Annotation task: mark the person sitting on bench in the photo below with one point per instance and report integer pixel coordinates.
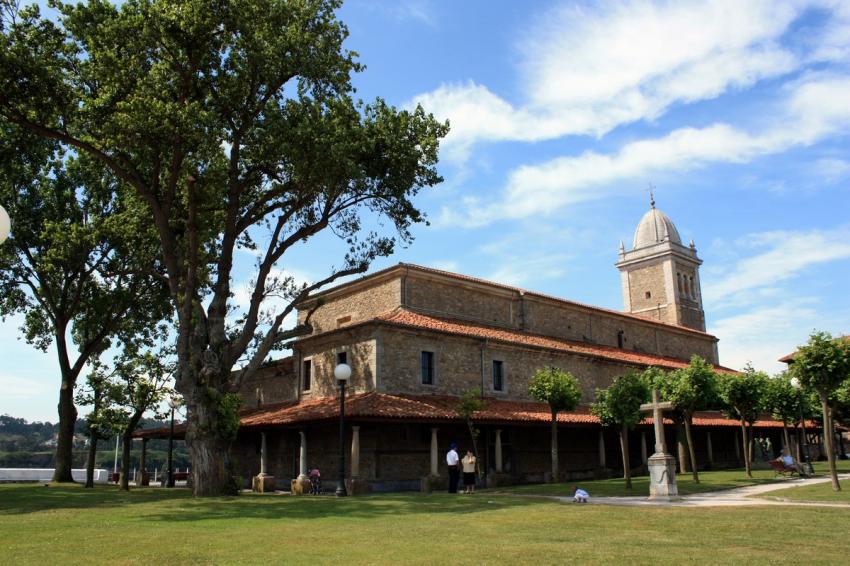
(789, 462)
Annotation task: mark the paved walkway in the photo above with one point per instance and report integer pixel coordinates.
(738, 497)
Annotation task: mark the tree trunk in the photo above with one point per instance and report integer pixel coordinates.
(750, 444)
(624, 448)
(787, 438)
(691, 452)
(65, 442)
(682, 450)
(827, 438)
(554, 446)
(126, 448)
(212, 474)
(91, 461)
(744, 450)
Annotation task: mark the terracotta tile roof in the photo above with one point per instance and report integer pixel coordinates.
(480, 281)
(374, 405)
(409, 319)
(429, 408)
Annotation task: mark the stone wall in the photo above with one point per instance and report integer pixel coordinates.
(549, 317)
(275, 382)
(344, 309)
(647, 279)
(458, 366)
(360, 349)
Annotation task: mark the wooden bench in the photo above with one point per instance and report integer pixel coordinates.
(780, 469)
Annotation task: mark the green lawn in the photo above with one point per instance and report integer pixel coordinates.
(709, 481)
(71, 525)
(817, 492)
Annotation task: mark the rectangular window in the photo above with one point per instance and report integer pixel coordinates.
(307, 374)
(342, 358)
(498, 376)
(427, 365)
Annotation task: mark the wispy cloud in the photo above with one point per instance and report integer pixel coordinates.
(781, 255)
(813, 109)
(589, 69)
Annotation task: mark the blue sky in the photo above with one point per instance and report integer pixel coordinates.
(563, 113)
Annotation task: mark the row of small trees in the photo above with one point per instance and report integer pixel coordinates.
(821, 366)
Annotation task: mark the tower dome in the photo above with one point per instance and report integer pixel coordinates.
(655, 227)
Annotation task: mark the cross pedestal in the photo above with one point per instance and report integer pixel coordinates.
(662, 466)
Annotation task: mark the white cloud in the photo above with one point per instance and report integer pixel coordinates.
(787, 255)
(831, 170)
(20, 388)
(588, 69)
(815, 108)
(765, 333)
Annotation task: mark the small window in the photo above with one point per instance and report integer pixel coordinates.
(648, 295)
(307, 374)
(498, 375)
(621, 339)
(342, 358)
(427, 367)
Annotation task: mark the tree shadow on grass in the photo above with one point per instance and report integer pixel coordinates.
(31, 498)
(178, 506)
(323, 507)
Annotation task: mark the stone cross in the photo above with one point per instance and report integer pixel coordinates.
(658, 419)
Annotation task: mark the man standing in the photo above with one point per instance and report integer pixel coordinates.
(452, 462)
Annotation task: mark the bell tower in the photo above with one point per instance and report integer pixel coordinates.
(659, 275)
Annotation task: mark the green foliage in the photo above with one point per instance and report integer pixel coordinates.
(823, 363)
(227, 416)
(691, 388)
(558, 388)
(781, 399)
(235, 126)
(744, 395)
(619, 404)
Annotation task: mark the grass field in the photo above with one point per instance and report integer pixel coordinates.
(817, 492)
(709, 481)
(71, 525)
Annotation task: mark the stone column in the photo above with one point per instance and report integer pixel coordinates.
(643, 456)
(302, 457)
(709, 447)
(301, 484)
(498, 451)
(263, 482)
(355, 452)
(602, 462)
(262, 453)
(434, 451)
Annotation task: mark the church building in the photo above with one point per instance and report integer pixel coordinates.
(418, 338)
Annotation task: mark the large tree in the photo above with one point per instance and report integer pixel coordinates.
(72, 263)
(689, 389)
(561, 391)
(234, 121)
(743, 396)
(822, 365)
(619, 406)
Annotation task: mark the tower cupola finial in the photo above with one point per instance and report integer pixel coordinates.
(651, 195)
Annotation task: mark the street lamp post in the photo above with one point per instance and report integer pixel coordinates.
(342, 372)
(173, 402)
(807, 463)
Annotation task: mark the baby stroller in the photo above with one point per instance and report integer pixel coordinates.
(315, 482)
